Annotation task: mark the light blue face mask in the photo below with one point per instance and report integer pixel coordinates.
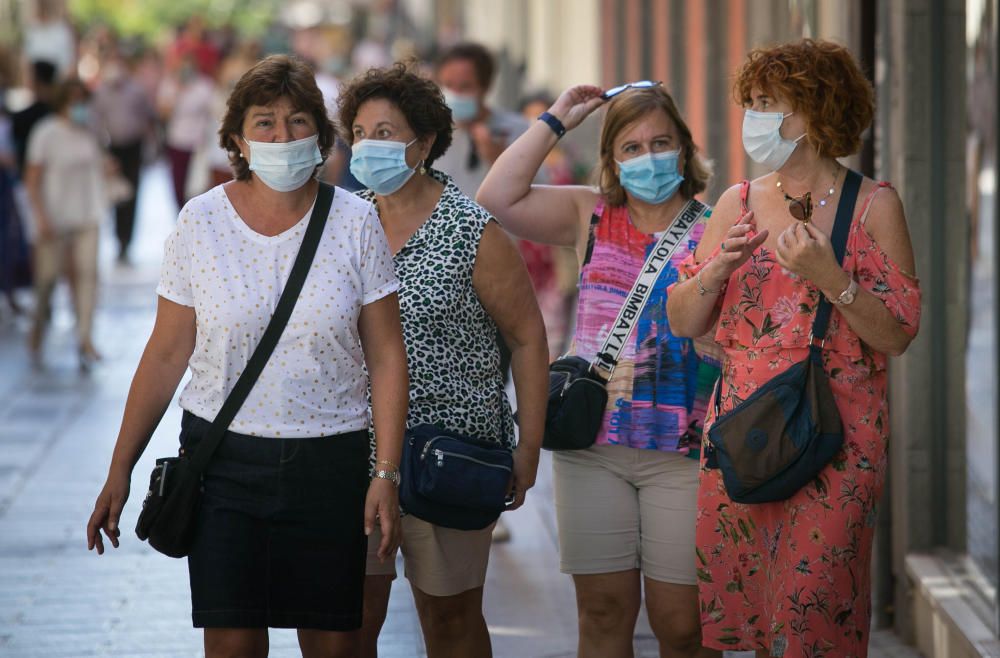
(652, 177)
(464, 107)
(380, 165)
(285, 166)
(79, 113)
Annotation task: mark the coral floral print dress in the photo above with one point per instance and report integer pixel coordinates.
(792, 577)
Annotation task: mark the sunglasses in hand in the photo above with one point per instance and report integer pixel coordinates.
(641, 84)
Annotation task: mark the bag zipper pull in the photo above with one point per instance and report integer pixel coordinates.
(163, 478)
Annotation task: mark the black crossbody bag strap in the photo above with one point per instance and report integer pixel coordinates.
(838, 239)
(595, 219)
(282, 311)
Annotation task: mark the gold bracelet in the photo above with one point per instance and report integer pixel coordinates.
(388, 463)
(702, 290)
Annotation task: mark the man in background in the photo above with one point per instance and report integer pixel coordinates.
(125, 115)
(466, 72)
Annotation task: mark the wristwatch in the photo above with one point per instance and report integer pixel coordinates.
(846, 298)
(391, 476)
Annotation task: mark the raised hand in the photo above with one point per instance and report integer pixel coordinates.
(575, 104)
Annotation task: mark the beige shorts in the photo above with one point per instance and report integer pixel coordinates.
(621, 508)
(437, 561)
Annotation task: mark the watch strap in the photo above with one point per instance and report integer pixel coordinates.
(391, 476)
(848, 295)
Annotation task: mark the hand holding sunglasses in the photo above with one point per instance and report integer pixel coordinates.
(572, 107)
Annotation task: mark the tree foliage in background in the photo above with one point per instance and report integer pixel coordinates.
(153, 20)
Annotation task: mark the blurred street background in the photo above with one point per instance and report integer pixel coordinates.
(165, 67)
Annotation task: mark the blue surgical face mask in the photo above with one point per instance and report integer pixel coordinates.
(79, 113)
(380, 165)
(652, 177)
(762, 139)
(464, 107)
(285, 166)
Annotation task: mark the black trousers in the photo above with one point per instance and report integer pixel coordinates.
(129, 157)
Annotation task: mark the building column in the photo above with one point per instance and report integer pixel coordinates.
(921, 151)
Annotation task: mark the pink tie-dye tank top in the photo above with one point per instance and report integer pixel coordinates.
(660, 390)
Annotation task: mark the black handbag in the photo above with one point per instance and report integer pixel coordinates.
(778, 440)
(578, 393)
(577, 399)
(453, 480)
(170, 510)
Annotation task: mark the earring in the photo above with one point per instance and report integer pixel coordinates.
(422, 169)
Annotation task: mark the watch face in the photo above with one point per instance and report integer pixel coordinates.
(847, 297)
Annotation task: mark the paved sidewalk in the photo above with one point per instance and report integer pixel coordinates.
(57, 429)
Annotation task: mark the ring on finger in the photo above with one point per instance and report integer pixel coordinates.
(723, 245)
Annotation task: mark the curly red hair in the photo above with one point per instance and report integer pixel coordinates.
(821, 80)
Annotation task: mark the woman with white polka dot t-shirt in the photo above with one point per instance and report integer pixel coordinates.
(287, 502)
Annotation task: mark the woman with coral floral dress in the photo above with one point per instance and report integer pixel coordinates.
(791, 578)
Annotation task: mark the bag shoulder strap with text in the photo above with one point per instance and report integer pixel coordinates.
(658, 258)
(282, 311)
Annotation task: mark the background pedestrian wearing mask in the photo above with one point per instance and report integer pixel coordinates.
(125, 116)
(64, 180)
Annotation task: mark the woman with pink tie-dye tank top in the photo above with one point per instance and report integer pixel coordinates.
(625, 506)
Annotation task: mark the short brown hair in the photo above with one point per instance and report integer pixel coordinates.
(821, 80)
(419, 99)
(481, 58)
(267, 81)
(630, 107)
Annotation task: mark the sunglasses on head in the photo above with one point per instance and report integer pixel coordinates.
(801, 208)
(642, 84)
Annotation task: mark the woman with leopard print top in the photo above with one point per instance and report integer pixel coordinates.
(461, 280)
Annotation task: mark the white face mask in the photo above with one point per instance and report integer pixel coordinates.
(762, 139)
(285, 166)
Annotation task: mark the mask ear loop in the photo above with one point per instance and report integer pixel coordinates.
(420, 168)
(797, 139)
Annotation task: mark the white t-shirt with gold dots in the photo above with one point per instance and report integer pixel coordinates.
(314, 383)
